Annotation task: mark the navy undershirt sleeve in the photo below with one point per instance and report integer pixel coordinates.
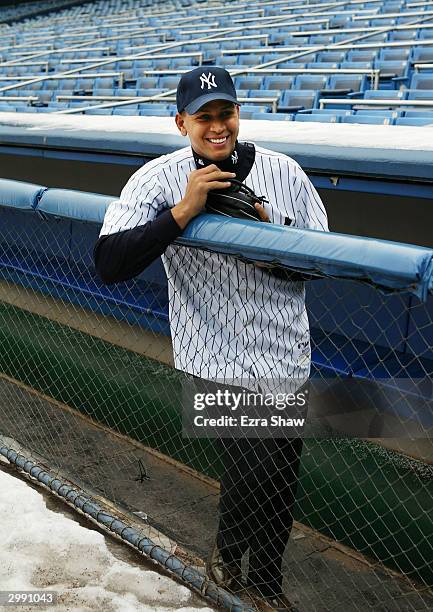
(123, 255)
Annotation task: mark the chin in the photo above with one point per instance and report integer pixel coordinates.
(221, 154)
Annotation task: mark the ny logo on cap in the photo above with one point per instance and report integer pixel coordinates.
(209, 80)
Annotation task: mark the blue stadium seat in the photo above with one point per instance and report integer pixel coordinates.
(320, 118)
(272, 116)
(357, 65)
(68, 84)
(276, 38)
(50, 84)
(154, 112)
(309, 81)
(403, 18)
(377, 112)
(420, 94)
(159, 64)
(263, 93)
(103, 91)
(46, 96)
(369, 119)
(328, 111)
(423, 54)
(270, 57)
(297, 100)
(125, 64)
(153, 106)
(421, 81)
(294, 64)
(126, 110)
(249, 109)
(151, 91)
(118, 91)
(9, 108)
(104, 82)
(58, 105)
(323, 39)
(253, 82)
(181, 62)
(146, 64)
(420, 121)
(402, 35)
(27, 109)
(278, 82)
(364, 55)
(347, 83)
(379, 37)
(250, 59)
(331, 56)
(227, 60)
(322, 65)
(84, 84)
(339, 21)
(422, 113)
(385, 94)
(147, 82)
(424, 34)
(169, 82)
(381, 23)
(391, 69)
(394, 55)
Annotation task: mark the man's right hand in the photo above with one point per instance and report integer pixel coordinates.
(200, 182)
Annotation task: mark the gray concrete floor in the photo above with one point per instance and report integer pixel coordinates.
(181, 508)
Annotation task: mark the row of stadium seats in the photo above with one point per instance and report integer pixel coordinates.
(289, 100)
(369, 116)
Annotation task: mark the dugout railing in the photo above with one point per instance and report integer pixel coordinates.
(105, 352)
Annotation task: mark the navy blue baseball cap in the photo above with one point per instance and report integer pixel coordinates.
(202, 85)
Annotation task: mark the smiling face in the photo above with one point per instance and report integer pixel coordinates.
(212, 130)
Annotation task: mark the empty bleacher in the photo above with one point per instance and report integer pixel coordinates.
(289, 62)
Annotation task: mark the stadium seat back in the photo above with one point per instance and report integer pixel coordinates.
(272, 116)
(278, 82)
(421, 81)
(421, 121)
(254, 82)
(168, 82)
(310, 81)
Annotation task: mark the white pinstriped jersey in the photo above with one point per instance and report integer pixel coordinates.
(229, 319)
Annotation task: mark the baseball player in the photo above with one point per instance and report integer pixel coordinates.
(229, 320)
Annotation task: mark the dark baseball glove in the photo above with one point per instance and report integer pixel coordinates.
(238, 201)
(235, 201)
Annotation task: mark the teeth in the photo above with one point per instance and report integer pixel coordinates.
(218, 140)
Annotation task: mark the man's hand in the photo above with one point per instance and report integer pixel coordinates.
(263, 214)
(200, 182)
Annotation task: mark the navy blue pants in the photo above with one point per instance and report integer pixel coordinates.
(258, 490)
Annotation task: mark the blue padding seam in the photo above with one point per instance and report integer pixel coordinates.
(74, 205)
(20, 195)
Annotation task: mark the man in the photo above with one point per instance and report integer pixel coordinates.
(229, 320)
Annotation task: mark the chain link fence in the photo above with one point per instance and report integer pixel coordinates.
(88, 388)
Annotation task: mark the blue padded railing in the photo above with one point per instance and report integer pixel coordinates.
(47, 241)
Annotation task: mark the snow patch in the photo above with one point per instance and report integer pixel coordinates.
(42, 549)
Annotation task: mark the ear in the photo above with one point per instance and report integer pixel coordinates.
(181, 124)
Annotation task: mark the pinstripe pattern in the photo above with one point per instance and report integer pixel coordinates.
(229, 319)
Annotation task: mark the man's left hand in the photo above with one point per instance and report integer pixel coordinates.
(263, 214)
